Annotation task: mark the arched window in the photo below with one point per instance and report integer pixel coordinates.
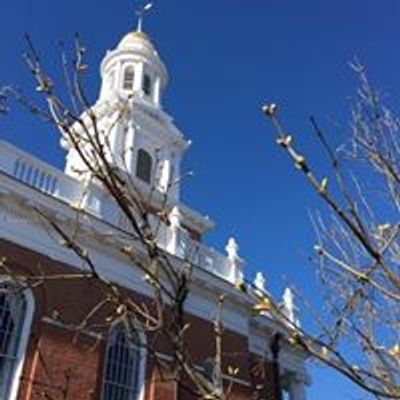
(129, 77)
(144, 166)
(15, 320)
(147, 85)
(124, 367)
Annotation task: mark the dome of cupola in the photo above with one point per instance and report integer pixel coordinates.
(137, 39)
(134, 68)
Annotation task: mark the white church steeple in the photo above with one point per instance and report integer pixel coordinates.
(144, 142)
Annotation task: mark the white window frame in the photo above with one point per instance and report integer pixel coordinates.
(23, 342)
(146, 153)
(129, 69)
(142, 361)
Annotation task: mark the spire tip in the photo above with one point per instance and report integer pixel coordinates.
(142, 9)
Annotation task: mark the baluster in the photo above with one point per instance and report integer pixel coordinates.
(47, 184)
(17, 165)
(35, 177)
(53, 185)
(28, 175)
(22, 171)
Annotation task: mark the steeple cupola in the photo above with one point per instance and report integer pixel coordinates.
(142, 140)
(134, 68)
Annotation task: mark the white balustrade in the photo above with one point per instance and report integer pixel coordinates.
(33, 172)
(174, 239)
(177, 241)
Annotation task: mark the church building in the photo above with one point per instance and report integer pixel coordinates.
(43, 353)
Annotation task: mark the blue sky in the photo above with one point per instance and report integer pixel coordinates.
(225, 58)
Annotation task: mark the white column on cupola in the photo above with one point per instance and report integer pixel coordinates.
(157, 91)
(139, 76)
(120, 75)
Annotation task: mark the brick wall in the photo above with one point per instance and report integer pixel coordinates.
(64, 365)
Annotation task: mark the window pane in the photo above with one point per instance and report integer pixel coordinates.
(129, 78)
(12, 315)
(144, 166)
(147, 85)
(121, 377)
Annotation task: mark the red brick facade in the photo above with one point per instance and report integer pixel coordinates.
(61, 364)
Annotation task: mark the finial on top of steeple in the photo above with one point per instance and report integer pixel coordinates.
(143, 7)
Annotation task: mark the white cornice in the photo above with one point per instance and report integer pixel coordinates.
(18, 200)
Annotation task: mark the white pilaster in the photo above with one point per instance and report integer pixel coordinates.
(138, 84)
(157, 91)
(165, 175)
(175, 218)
